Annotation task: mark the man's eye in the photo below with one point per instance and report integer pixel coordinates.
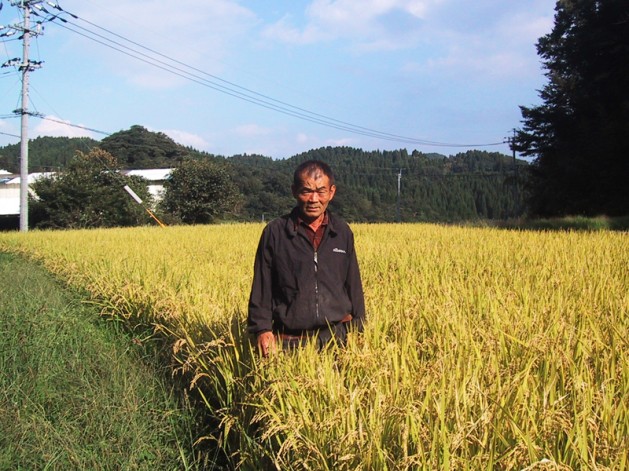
(320, 192)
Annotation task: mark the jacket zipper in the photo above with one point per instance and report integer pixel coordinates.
(316, 266)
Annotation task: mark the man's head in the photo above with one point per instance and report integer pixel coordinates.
(313, 188)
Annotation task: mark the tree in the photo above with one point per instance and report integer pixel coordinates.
(45, 153)
(199, 192)
(366, 180)
(89, 193)
(139, 148)
(579, 136)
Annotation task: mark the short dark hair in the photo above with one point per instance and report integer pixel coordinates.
(309, 167)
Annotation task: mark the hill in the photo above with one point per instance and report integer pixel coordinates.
(372, 185)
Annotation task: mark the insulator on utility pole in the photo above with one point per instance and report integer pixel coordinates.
(25, 65)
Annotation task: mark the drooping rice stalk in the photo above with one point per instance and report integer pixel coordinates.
(484, 348)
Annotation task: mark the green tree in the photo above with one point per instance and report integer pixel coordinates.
(89, 193)
(199, 192)
(45, 153)
(138, 148)
(580, 134)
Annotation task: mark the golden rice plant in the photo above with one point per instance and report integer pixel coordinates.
(484, 348)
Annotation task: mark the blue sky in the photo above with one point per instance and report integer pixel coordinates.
(437, 71)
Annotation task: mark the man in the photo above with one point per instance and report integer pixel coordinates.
(306, 279)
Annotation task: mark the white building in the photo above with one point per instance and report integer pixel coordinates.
(10, 187)
(156, 178)
(10, 191)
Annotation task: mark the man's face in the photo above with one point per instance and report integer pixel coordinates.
(313, 194)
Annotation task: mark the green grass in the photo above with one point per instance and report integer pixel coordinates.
(75, 392)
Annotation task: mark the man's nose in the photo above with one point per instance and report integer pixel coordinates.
(314, 196)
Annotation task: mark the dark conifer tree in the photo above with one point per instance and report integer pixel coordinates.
(580, 134)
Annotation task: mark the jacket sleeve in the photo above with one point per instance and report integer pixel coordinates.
(260, 311)
(354, 287)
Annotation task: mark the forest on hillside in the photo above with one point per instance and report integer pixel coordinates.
(372, 186)
(392, 185)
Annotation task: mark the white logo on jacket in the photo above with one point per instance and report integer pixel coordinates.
(337, 250)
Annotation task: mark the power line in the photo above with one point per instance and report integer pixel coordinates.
(9, 134)
(243, 96)
(232, 89)
(266, 97)
(48, 118)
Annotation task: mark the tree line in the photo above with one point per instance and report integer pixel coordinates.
(372, 186)
(393, 185)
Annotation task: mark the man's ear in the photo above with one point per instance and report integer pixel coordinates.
(332, 192)
(293, 190)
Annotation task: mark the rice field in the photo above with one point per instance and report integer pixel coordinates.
(484, 348)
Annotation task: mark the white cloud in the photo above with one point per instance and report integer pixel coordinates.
(304, 140)
(501, 48)
(454, 35)
(284, 31)
(200, 35)
(56, 127)
(525, 27)
(367, 24)
(361, 14)
(252, 130)
(187, 139)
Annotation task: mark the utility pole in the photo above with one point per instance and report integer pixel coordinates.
(25, 65)
(399, 184)
(515, 168)
(24, 68)
(511, 141)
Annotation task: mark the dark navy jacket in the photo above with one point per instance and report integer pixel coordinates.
(296, 288)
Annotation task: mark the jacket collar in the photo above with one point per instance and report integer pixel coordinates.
(293, 217)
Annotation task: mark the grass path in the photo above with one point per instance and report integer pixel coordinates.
(74, 393)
